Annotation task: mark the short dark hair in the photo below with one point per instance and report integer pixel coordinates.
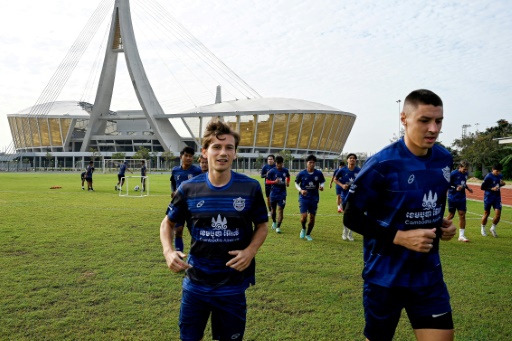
(341, 163)
(272, 156)
(311, 157)
(464, 164)
(498, 167)
(91, 162)
(215, 128)
(279, 159)
(423, 96)
(351, 154)
(188, 150)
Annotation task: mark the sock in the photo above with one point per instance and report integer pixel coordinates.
(303, 225)
(279, 224)
(461, 233)
(178, 244)
(493, 227)
(310, 228)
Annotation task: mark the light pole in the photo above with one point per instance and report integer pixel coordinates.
(399, 121)
(465, 129)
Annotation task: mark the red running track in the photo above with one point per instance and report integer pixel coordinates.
(478, 194)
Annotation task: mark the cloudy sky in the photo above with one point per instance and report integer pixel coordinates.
(357, 56)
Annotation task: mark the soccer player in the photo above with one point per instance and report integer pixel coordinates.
(229, 224)
(121, 175)
(180, 174)
(338, 187)
(397, 203)
(143, 175)
(82, 177)
(279, 179)
(308, 182)
(264, 170)
(457, 197)
(492, 198)
(203, 163)
(344, 179)
(88, 175)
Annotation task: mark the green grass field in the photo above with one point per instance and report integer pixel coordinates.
(78, 265)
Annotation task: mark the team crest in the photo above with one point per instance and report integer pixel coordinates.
(220, 223)
(239, 204)
(411, 179)
(446, 173)
(430, 201)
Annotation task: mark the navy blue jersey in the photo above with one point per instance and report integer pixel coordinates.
(347, 176)
(122, 169)
(266, 169)
(311, 183)
(221, 219)
(180, 175)
(335, 176)
(491, 181)
(401, 191)
(278, 189)
(143, 170)
(88, 172)
(457, 179)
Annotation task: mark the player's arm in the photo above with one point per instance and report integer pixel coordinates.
(243, 258)
(173, 258)
(288, 180)
(263, 172)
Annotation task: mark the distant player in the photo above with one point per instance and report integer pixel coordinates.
(492, 198)
(264, 170)
(308, 182)
(344, 178)
(338, 187)
(123, 168)
(143, 175)
(457, 197)
(180, 174)
(203, 163)
(88, 175)
(279, 179)
(82, 177)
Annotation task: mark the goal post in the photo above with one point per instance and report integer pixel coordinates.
(112, 165)
(133, 186)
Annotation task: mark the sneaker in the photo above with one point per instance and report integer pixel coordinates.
(493, 232)
(274, 225)
(308, 238)
(83, 189)
(302, 233)
(344, 235)
(278, 230)
(349, 235)
(483, 232)
(269, 214)
(463, 239)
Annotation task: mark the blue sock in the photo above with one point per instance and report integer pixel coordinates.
(178, 244)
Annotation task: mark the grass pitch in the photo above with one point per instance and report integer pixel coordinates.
(78, 265)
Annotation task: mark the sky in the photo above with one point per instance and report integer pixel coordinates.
(357, 56)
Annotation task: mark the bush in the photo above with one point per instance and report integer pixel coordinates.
(478, 174)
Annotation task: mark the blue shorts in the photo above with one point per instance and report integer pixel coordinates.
(457, 205)
(281, 202)
(338, 190)
(496, 204)
(308, 206)
(268, 189)
(383, 307)
(228, 316)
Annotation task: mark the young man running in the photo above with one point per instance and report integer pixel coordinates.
(279, 179)
(492, 198)
(344, 179)
(228, 225)
(457, 197)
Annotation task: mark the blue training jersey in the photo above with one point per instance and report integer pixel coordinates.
(278, 191)
(401, 191)
(457, 179)
(143, 170)
(491, 181)
(122, 169)
(310, 182)
(180, 175)
(88, 172)
(347, 176)
(221, 219)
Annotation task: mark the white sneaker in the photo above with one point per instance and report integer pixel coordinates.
(463, 239)
(278, 230)
(493, 232)
(349, 235)
(344, 235)
(483, 232)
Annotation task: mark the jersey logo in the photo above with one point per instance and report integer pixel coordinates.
(201, 203)
(177, 177)
(446, 173)
(219, 224)
(190, 176)
(316, 178)
(411, 179)
(430, 201)
(239, 204)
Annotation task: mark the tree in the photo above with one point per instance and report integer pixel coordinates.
(118, 156)
(94, 153)
(168, 157)
(288, 157)
(142, 153)
(49, 158)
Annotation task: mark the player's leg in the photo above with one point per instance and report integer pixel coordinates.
(268, 189)
(312, 214)
(178, 238)
(280, 209)
(303, 217)
(382, 309)
(194, 313)
(496, 219)
(461, 209)
(487, 212)
(273, 206)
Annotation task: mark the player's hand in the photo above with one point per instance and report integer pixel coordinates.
(321, 188)
(448, 230)
(175, 261)
(303, 192)
(459, 188)
(470, 190)
(330, 185)
(419, 240)
(241, 260)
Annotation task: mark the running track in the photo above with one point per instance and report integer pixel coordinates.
(478, 194)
